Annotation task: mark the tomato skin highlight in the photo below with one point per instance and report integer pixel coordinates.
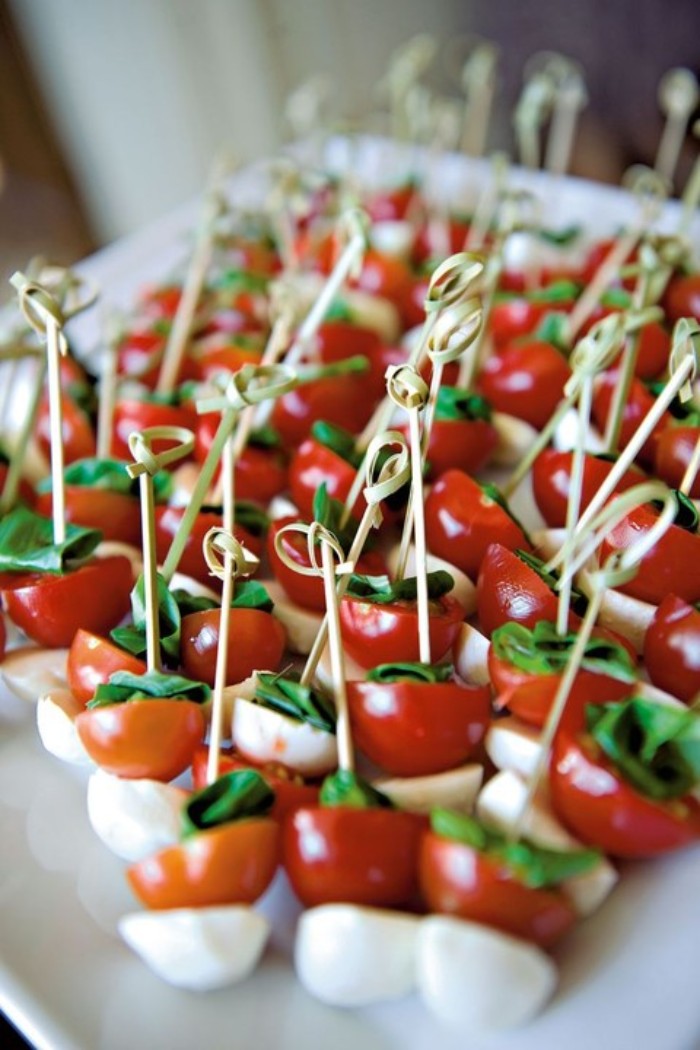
(314, 465)
(590, 797)
(551, 480)
(682, 297)
(77, 431)
(116, 514)
(672, 648)
(374, 634)
(637, 405)
(341, 400)
(457, 879)
(152, 738)
(461, 521)
(361, 856)
(672, 566)
(91, 662)
(230, 864)
(255, 639)
(414, 728)
(525, 380)
(507, 589)
(131, 415)
(674, 449)
(50, 609)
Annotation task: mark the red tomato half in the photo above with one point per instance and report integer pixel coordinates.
(79, 440)
(50, 609)
(682, 298)
(460, 444)
(674, 448)
(551, 481)
(638, 404)
(91, 662)
(413, 729)
(291, 791)
(116, 514)
(131, 415)
(508, 589)
(342, 400)
(192, 562)
(230, 864)
(255, 640)
(600, 808)
(362, 856)
(314, 465)
(388, 634)
(459, 880)
(672, 648)
(525, 380)
(143, 738)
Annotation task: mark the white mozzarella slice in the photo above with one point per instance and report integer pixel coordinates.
(393, 237)
(263, 735)
(55, 718)
(566, 435)
(134, 818)
(455, 789)
(512, 744)
(30, 672)
(652, 692)
(477, 979)
(619, 612)
(181, 582)
(464, 590)
(300, 624)
(324, 674)
(470, 652)
(184, 479)
(199, 949)
(515, 438)
(282, 507)
(500, 804)
(108, 548)
(348, 955)
(548, 541)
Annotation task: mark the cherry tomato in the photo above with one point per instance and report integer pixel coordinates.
(291, 791)
(229, 864)
(393, 205)
(384, 275)
(460, 444)
(461, 520)
(674, 449)
(379, 634)
(338, 340)
(551, 479)
(672, 566)
(672, 648)
(313, 465)
(530, 696)
(459, 880)
(413, 303)
(341, 400)
(224, 355)
(91, 662)
(525, 380)
(457, 233)
(259, 473)
(362, 856)
(255, 640)
(682, 298)
(638, 404)
(508, 589)
(50, 609)
(192, 562)
(596, 256)
(413, 729)
(600, 808)
(116, 514)
(139, 355)
(516, 317)
(653, 346)
(160, 301)
(131, 415)
(25, 492)
(151, 738)
(79, 441)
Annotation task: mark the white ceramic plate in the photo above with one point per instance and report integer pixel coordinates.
(628, 975)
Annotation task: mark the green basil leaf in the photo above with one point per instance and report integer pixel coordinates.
(190, 603)
(83, 395)
(656, 748)
(286, 694)
(265, 437)
(339, 310)
(252, 517)
(562, 237)
(238, 795)
(579, 602)
(686, 513)
(558, 292)
(124, 686)
(109, 475)
(26, 544)
(234, 280)
(543, 651)
(381, 591)
(337, 440)
(453, 403)
(249, 594)
(329, 512)
(553, 329)
(345, 788)
(616, 298)
(535, 866)
(411, 672)
(133, 637)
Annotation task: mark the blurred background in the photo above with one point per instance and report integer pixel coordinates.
(111, 110)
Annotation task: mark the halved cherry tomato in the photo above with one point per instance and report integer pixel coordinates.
(338, 340)
(50, 609)
(229, 864)
(363, 856)
(342, 400)
(384, 275)
(140, 353)
(508, 589)
(682, 298)
(291, 791)
(653, 347)
(672, 566)
(259, 473)
(459, 880)
(600, 808)
(116, 514)
(515, 317)
(25, 492)
(143, 738)
(91, 662)
(79, 440)
(160, 301)
(423, 247)
(379, 634)
(413, 729)
(461, 520)
(392, 205)
(525, 380)
(460, 444)
(672, 648)
(131, 415)
(551, 480)
(192, 562)
(314, 465)
(216, 354)
(637, 405)
(255, 639)
(674, 449)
